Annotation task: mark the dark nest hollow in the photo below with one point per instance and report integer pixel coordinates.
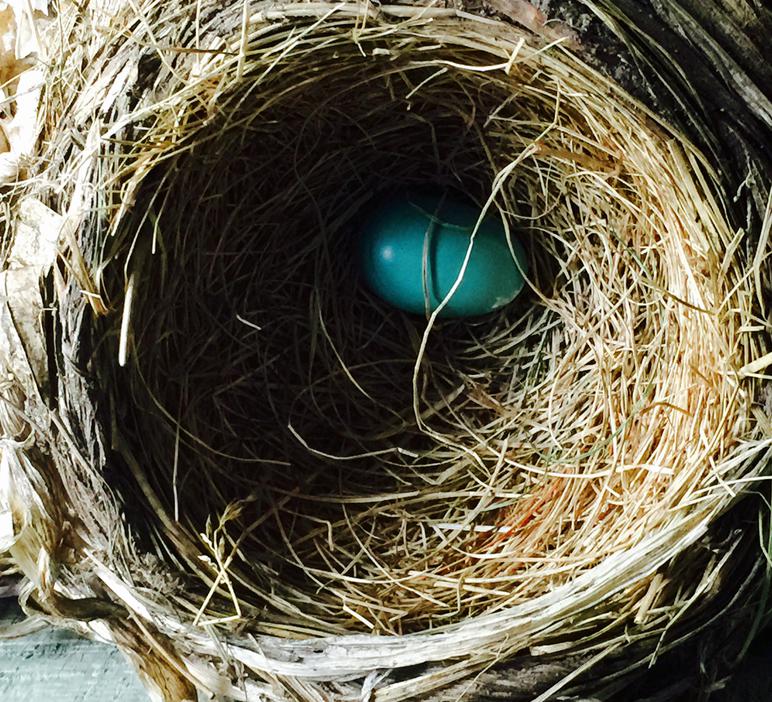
(276, 482)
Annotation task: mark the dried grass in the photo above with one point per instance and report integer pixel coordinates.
(296, 459)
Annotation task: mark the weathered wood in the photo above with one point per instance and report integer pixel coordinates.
(58, 666)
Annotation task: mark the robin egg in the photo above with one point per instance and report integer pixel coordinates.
(413, 247)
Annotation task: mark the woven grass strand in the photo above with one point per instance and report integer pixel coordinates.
(296, 459)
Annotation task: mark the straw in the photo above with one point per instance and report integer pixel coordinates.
(315, 486)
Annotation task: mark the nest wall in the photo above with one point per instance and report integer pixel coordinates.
(241, 457)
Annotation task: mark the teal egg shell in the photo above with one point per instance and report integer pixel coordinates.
(403, 229)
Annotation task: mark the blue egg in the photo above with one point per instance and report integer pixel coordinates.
(412, 248)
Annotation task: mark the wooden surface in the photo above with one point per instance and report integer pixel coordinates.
(58, 666)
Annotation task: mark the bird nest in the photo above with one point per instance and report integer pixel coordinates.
(260, 464)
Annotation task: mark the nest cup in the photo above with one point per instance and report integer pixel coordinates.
(294, 460)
